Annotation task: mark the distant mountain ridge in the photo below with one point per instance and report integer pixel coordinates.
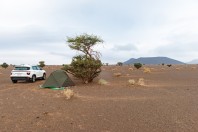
(153, 60)
(195, 61)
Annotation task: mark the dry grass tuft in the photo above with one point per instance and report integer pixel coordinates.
(193, 68)
(131, 81)
(147, 70)
(130, 69)
(141, 82)
(117, 74)
(114, 69)
(163, 68)
(103, 82)
(178, 68)
(68, 93)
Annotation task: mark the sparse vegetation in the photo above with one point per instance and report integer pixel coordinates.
(4, 65)
(42, 64)
(87, 66)
(103, 82)
(178, 68)
(169, 65)
(193, 68)
(117, 74)
(141, 82)
(137, 65)
(119, 63)
(114, 69)
(147, 70)
(131, 81)
(131, 69)
(68, 93)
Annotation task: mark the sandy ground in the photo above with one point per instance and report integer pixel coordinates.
(168, 102)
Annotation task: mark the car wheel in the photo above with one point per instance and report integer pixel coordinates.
(33, 78)
(44, 76)
(14, 81)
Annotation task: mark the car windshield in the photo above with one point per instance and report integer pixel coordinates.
(22, 68)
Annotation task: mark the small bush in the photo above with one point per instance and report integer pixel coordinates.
(131, 69)
(169, 65)
(147, 70)
(68, 93)
(193, 68)
(137, 65)
(131, 81)
(84, 68)
(119, 63)
(114, 69)
(163, 64)
(4, 65)
(103, 82)
(140, 82)
(117, 74)
(178, 68)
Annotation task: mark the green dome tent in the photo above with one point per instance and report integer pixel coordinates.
(58, 79)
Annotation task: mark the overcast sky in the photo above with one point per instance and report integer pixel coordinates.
(35, 30)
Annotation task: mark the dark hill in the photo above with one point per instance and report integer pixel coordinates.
(153, 60)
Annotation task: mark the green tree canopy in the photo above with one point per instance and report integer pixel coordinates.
(86, 66)
(85, 43)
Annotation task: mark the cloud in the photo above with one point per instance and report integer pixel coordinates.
(127, 47)
(129, 28)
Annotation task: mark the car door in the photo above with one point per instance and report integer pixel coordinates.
(34, 68)
(39, 71)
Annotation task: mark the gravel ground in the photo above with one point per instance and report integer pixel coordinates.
(168, 102)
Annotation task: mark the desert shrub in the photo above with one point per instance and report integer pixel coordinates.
(42, 63)
(131, 69)
(131, 81)
(140, 82)
(4, 65)
(103, 82)
(163, 64)
(169, 65)
(137, 65)
(119, 63)
(68, 93)
(84, 68)
(178, 68)
(193, 68)
(117, 74)
(114, 69)
(147, 70)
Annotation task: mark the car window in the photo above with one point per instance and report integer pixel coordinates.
(39, 68)
(22, 68)
(34, 68)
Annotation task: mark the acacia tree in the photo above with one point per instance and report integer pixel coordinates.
(4, 65)
(86, 66)
(42, 64)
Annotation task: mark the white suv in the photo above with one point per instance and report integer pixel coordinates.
(28, 73)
